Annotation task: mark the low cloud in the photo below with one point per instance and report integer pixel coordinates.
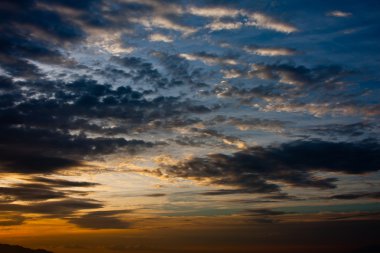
(102, 220)
(9, 219)
(255, 169)
(54, 209)
(356, 195)
(28, 192)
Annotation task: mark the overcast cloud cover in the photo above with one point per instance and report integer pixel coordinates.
(116, 112)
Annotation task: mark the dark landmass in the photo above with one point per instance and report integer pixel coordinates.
(5, 248)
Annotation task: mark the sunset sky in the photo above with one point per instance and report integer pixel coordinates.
(190, 126)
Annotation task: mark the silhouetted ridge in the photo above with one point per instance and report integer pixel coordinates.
(5, 248)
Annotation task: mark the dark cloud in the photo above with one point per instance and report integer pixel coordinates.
(265, 92)
(181, 72)
(31, 32)
(102, 220)
(265, 216)
(30, 192)
(44, 125)
(308, 78)
(237, 191)
(174, 71)
(274, 197)
(356, 195)
(45, 196)
(57, 208)
(62, 182)
(351, 130)
(39, 189)
(80, 5)
(141, 69)
(299, 75)
(267, 212)
(11, 219)
(19, 162)
(155, 195)
(290, 88)
(253, 170)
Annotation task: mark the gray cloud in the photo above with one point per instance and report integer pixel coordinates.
(356, 195)
(11, 220)
(253, 170)
(62, 182)
(56, 208)
(31, 192)
(244, 123)
(102, 220)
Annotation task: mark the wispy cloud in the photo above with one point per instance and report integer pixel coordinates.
(210, 59)
(270, 51)
(263, 21)
(339, 14)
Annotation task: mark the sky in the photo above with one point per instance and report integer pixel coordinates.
(190, 126)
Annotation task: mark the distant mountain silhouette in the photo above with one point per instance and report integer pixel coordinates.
(5, 248)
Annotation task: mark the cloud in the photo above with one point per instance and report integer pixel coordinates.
(155, 195)
(265, 216)
(298, 75)
(264, 212)
(255, 169)
(263, 21)
(270, 51)
(7, 219)
(248, 123)
(49, 198)
(222, 25)
(356, 195)
(339, 14)
(28, 192)
(16, 161)
(181, 72)
(209, 59)
(160, 37)
(62, 182)
(214, 12)
(41, 188)
(102, 220)
(168, 23)
(54, 209)
(16, 158)
(207, 133)
(30, 32)
(330, 76)
(174, 71)
(353, 130)
(317, 92)
(256, 19)
(65, 122)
